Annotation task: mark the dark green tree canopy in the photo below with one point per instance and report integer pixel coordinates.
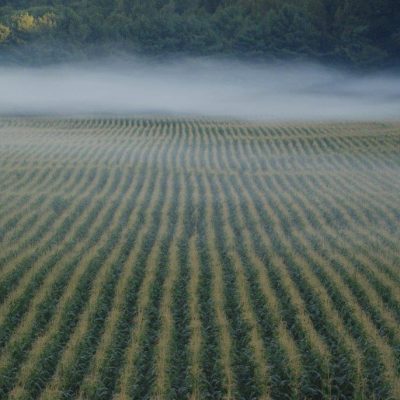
(357, 32)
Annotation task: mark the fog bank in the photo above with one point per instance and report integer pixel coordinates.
(200, 87)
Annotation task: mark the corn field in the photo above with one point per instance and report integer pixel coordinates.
(161, 258)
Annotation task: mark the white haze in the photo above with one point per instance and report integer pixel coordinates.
(201, 87)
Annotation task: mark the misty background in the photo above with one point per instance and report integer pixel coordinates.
(238, 59)
(200, 87)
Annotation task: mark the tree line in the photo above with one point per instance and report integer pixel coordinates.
(356, 32)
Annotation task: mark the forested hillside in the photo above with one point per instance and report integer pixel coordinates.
(357, 32)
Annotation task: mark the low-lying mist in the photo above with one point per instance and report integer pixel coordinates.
(203, 87)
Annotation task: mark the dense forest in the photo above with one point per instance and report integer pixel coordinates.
(363, 33)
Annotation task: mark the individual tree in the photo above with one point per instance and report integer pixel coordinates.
(5, 33)
(47, 21)
(24, 22)
(290, 30)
